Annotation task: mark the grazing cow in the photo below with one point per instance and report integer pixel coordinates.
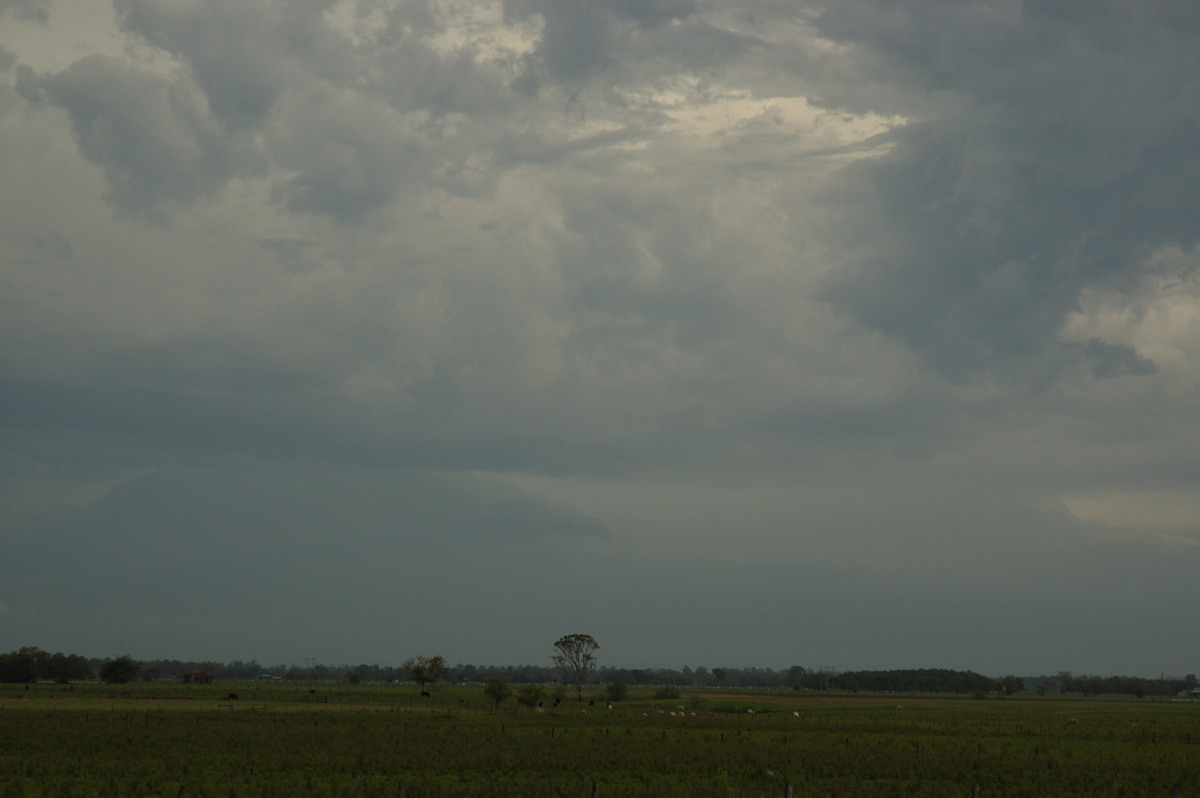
(230, 697)
(425, 694)
(555, 704)
(749, 711)
(796, 715)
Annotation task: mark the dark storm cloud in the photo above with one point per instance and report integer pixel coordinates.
(234, 48)
(344, 123)
(629, 39)
(1110, 360)
(1061, 154)
(348, 176)
(578, 36)
(165, 140)
(152, 135)
(29, 86)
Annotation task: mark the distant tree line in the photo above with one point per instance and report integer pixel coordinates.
(924, 680)
(1066, 682)
(30, 664)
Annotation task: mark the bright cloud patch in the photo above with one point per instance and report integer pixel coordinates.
(1160, 317)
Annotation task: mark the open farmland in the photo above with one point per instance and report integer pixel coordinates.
(340, 740)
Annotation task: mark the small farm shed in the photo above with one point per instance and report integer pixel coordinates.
(197, 677)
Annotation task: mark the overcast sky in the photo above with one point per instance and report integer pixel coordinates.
(850, 333)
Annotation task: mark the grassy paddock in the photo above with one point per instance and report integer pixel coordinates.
(283, 739)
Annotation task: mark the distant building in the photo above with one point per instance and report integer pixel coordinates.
(197, 677)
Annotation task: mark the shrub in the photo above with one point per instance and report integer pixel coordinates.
(530, 694)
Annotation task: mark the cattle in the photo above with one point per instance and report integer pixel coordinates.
(230, 697)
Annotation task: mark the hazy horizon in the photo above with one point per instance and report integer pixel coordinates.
(836, 332)
(700, 671)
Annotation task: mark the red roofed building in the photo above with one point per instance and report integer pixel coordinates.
(197, 677)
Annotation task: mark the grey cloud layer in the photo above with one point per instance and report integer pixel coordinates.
(1042, 155)
(1058, 152)
(913, 278)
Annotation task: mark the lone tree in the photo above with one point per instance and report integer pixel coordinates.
(576, 660)
(425, 670)
(497, 690)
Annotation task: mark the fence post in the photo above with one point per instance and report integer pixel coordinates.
(595, 790)
(787, 791)
(975, 790)
(400, 791)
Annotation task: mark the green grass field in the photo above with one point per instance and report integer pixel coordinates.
(156, 739)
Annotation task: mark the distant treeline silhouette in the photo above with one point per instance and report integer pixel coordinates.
(30, 664)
